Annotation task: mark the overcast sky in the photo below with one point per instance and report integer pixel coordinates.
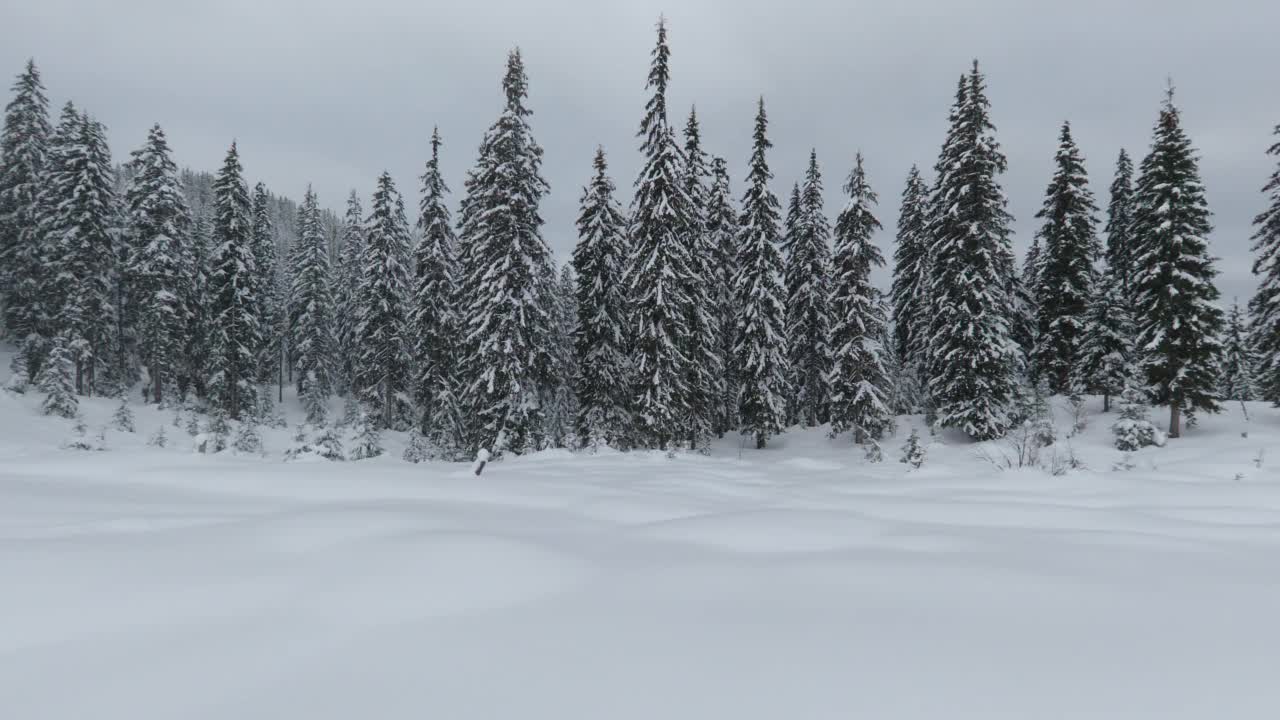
(333, 93)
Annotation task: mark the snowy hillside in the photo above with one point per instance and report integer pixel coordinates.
(794, 582)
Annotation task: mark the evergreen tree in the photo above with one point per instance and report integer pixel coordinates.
(57, 380)
(705, 372)
(79, 223)
(1105, 349)
(599, 337)
(562, 410)
(1120, 238)
(760, 354)
(808, 282)
(973, 360)
(722, 231)
(160, 227)
(859, 379)
(911, 273)
(1065, 280)
(198, 328)
(509, 275)
(346, 288)
(658, 270)
(1239, 362)
(368, 441)
(271, 290)
(23, 149)
(1133, 430)
(311, 311)
(434, 321)
(236, 331)
(1265, 305)
(1178, 324)
(382, 370)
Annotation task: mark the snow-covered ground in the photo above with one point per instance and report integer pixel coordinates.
(799, 582)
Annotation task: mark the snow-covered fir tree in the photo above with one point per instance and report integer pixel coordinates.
(808, 283)
(1105, 352)
(658, 270)
(346, 289)
(599, 341)
(760, 356)
(198, 328)
(1120, 227)
(722, 229)
(508, 273)
(1065, 278)
(159, 227)
(911, 274)
(562, 405)
(1133, 429)
(79, 225)
(311, 312)
(23, 149)
(434, 321)
(368, 441)
(859, 379)
(272, 292)
(236, 332)
(973, 360)
(1265, 304)
(383, 375)
(1239, 361)
(705, 373)
(57, 380)
(1177, 321)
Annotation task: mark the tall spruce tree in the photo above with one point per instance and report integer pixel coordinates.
(1120, 227)
(23, 149)
(760, 353)
(382, 372)
(236, 330)
(787, 240)
(1178, 322)
(600, 335)
(311, 311)
(1265, 304)
(808, 281)
(198, 327)
(562, 406)
(705, 371)
(434, 320)
(722, 231)
(860, 385)
(658, 271)
(80, 225)
(1239, 361)
(509, 278)
(911, 273)
(160, 228)
(1065, 279)
(1104, 359)
(347, 289)
(271, 290)
(973, 360)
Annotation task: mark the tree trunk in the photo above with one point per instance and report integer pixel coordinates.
(761, 441)
(156, 392)
(1175, 418)
(1106, 402)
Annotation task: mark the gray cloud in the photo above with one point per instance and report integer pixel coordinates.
(332, 93)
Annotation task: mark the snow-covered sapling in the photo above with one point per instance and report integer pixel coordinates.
(247, 440)
(122, 420)
(158, 438)
(1134, 430)
(329, 444)
(874, 453)
(419, 448)
(913, 451)
(368, 441)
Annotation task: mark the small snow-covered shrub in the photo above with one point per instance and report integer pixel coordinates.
(913, 451)
(1133, 430)
(419, 448)
(873, 452)
(79, 436)
(57, 382)
(247, 440)
(328, 444)
(158, 438)
(20, 377)
(122, 420)
(215, 435)
(368, 442)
